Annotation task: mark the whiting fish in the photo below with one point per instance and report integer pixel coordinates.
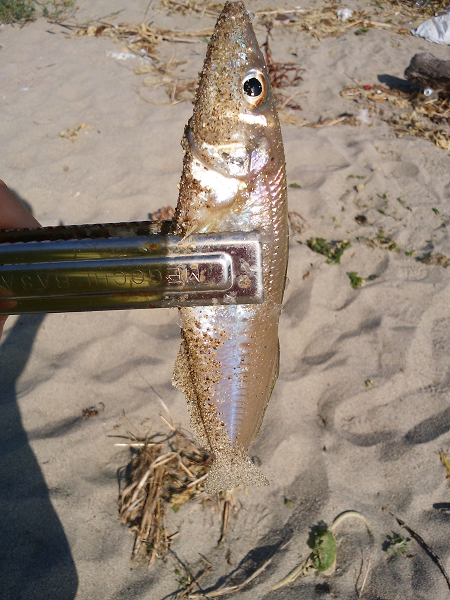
(233, 180)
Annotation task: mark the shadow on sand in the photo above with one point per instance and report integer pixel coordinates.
(35, 558)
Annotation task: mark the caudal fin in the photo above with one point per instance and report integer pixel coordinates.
(232, 470)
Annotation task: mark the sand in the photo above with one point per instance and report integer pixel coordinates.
(361, 408)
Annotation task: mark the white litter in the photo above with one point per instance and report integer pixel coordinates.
(343, 14)
(364, 116)
(435, 30)
(120, 55)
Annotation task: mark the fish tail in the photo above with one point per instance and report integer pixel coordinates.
(228, 472)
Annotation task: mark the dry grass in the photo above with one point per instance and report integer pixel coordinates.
(139, 38)
(166, 471)
(198, 7)
(406, 113)
(323, 22)
(419, 8)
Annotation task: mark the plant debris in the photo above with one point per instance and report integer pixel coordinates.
(445, 461)
(422, 543)
(166, 471)
(407, 113)
(297, 222)
(333, 250)
(322, 558)
(435, 260)
(200, 7)
(72, 134)
(381, 241)
(396, 545)
(420, 8)
(141, 39)
(16, 11)
(323, 22)
(93, 411)
(24, 11)
(356, 281)
(361, 219)
(282, 75)
(178, 89)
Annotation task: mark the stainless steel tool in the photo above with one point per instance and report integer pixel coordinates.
(125, 265)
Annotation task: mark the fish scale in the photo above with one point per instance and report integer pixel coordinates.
(233, 180)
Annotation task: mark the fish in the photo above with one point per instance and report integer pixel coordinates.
(233, 179)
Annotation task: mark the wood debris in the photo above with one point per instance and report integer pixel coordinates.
(426, 70)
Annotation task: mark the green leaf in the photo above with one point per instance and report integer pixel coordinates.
(323, 545)
(294, 186)
(356, 281)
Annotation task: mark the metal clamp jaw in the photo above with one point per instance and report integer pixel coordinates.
(125, 265)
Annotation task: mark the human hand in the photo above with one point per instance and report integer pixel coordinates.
(12, 214)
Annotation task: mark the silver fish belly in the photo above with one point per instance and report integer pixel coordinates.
(233, 180)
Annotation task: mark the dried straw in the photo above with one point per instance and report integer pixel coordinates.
(406, 112)
(165, 473)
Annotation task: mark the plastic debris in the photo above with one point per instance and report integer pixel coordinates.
(343, 14)
(364, 116)
(121, 55)
(435, 30)
(428, 91)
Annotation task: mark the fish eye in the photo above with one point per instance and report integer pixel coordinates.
(254, 87)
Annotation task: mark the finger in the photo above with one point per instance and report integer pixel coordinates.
(12, 212)
(2, 322)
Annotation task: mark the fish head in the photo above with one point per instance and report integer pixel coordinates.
(234, 117)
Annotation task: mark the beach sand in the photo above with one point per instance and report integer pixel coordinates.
(361, 408)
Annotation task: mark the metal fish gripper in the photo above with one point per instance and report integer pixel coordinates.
(125, 265)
